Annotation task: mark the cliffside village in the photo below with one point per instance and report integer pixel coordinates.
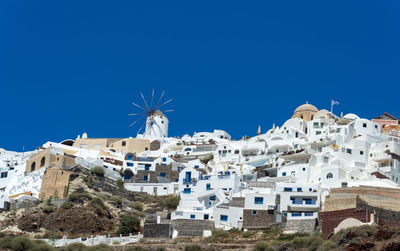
(317, 169)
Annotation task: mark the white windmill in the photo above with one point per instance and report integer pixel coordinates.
(156, 122)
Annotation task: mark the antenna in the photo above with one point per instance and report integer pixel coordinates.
(149, 110)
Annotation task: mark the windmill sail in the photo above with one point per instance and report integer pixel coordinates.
(156, 122)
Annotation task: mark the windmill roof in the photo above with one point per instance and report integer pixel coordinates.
(160, 113)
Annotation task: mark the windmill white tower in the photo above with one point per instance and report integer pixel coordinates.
(156, 122)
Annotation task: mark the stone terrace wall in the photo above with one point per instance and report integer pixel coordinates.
(154, 230)
(262, 220)
(301, 226)
(187, 227)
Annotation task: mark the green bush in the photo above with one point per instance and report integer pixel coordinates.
(172, 202)
(218, 233)
(98, 203)
(67, 205)
(234, 230)
(193, 248)
(138, 206)
(98, 170)
(248, 234)
(48, 209)
(120, 184)
(262, 246)
(326, 246)
(299, 242)
(39, 245)
(21, 243)
(286, 237)
(74, 247)
(6, 242)
(79, 197)
(128, 224)
(100, 247)
(314, 243)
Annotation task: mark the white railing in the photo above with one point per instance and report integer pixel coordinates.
(92, 241)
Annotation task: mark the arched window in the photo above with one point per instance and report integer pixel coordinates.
(329, 176)
(312, 117)
(42, 161)
(33, 166)
(236, 151)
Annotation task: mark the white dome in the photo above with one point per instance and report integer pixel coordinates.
(351, 116)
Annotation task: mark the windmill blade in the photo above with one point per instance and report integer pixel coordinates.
(152, 98)
(141, 94)
(137, 120)
(163, 104)
(168, 110)
(159, 100)
(141, 127)
(133, 114)
(139, 106)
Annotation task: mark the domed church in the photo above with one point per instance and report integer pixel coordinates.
(306, 112)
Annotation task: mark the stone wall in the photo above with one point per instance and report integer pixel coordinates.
(263, 219)
(301, 226)
(54, 184)
(154, 230)
(384, 217)
(187, 227)
(331, 219)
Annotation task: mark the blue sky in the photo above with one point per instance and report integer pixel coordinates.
(67, 67)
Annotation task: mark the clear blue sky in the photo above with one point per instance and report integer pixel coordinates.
(67, 67)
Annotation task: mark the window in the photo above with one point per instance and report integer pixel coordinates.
(145, 178)
(259, 200)
(364, 124)
(348, 151)
(296, 214)
(42, 161)
(129, 164)
(4, 175)
(163, 175)
(299, 189)
(361, 152)
(213, 197)
(186, 190)
(33, 166)
(254, 212)
(164, 159)
(326, 160)
(236, 151)
(123, 143)
(196, 166)
(287, 189)
(317, 132)
(344, 184)
(130, 157)
(308, 213)
(304, 168)
(208, 186)
(376, 126)
(223, 217)
(284, 174)
(308, 201)
(329, 176)
(192, 216)
(310, 189)
(206, 217)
